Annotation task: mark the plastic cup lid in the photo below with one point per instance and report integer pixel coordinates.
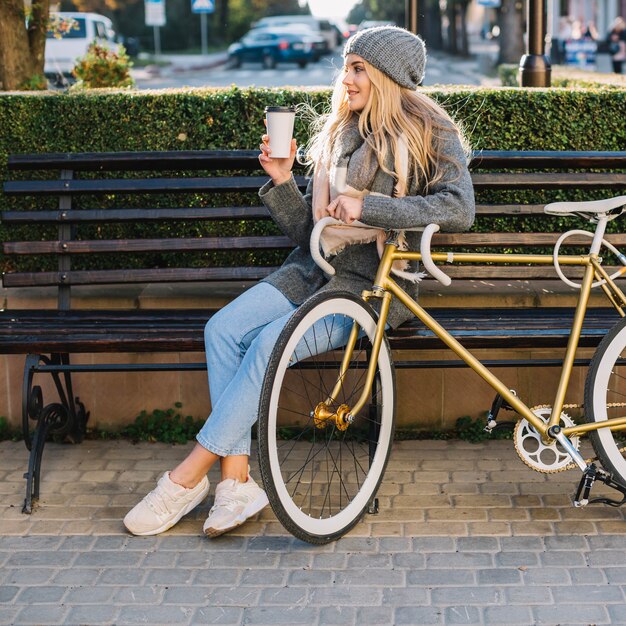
(288, 109)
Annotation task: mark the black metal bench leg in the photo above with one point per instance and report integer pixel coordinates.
(66, 419)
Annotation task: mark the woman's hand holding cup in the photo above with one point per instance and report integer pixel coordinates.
(279, 121)
(278, 169)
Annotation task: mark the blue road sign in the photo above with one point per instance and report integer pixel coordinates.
(202, 6)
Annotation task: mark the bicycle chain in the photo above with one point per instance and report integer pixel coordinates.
(570, 465)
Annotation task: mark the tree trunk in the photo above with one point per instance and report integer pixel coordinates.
(511, 22)
(452, 34)
(463, 19)
(22, 50)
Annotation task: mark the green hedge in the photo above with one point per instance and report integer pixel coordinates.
(503, 118)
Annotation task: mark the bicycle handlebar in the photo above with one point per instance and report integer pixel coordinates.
(427, 260)
(321, 262)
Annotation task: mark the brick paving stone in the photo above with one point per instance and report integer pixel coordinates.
(288, 596)
(499, 576)
(131, 595)
(41, 614)
(617, 613)
(342, 616)
(564, 614)
(224, 616)
(418, 615)
(462, 615)
(412, 596)
(91, 614)
(477, 544)
(607, 557)
(460, 560)
(615, 575)
(588, 575)
(603, 594)
(7, 615)
(31, 576)
(528, 595)
(546, 576)
(467, 596)
(345, 596)
(279, 615)
(499, 615)
(41, 594)
(382, 615)
(562, 557)
(440, 577)
(154, 615)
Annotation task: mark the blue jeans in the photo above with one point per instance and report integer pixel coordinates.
(239, 340)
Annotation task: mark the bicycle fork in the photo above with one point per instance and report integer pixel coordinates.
(344, 415)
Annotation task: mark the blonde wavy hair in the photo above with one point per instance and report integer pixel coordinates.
(390, 113)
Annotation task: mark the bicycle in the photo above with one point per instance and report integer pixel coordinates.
(326, 414)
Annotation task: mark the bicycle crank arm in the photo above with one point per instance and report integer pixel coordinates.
(557, 433)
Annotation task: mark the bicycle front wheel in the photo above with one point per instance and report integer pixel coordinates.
(320, 475)
(605, 398)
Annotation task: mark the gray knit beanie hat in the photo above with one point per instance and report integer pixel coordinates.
(396, 52)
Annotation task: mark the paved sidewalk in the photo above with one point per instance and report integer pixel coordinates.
(466, 535)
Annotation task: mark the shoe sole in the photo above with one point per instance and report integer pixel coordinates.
(189, 507)
(252, 509)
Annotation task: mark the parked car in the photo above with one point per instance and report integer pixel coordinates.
(69, 38)
(320, 26)
(270, 47)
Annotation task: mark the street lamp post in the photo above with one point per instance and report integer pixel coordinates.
(410, 7)
(534, 66)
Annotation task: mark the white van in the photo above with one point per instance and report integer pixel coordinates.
(84, 28)
(321, 26)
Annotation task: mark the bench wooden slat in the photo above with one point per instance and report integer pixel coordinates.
(138, 161)
(540, 159)
(548, 180)
(161, 330)
(248, 159)
(516, 239)
(148, 245)
(212, 274)
(250, 184)
(134, 215)
(117, 277)
(264, 242)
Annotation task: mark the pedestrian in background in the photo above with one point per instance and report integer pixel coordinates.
(617, 44)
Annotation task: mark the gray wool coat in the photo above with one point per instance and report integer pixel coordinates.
(449, 203)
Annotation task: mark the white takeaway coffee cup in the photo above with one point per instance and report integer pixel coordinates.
(280, 130)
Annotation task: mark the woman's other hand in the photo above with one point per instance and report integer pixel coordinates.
(279, 170)
(346, 209)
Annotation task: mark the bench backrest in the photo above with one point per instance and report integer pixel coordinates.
(196, 189)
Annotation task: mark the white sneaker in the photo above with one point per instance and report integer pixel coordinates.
(235, 502)
(164, 506)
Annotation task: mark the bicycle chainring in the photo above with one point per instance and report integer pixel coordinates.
(534, 452)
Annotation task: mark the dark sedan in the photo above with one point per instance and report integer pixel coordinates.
(270, 47)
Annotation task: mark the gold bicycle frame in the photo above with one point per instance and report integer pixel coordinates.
(385, 287)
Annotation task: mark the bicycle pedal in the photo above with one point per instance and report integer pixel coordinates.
(588, 479)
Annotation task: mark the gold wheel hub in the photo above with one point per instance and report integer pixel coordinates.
(322, 415)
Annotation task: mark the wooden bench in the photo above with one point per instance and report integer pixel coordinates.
(81, 200)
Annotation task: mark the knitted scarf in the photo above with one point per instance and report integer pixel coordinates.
(354, 172)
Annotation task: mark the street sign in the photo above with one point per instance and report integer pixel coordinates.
(202, 6)
(155, 12)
